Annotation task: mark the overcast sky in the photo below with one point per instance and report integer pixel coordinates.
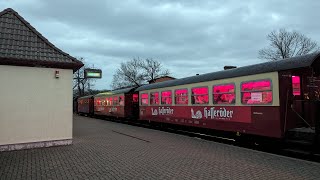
(187, 37)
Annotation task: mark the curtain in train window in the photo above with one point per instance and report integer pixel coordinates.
(166, 97)
(121, 100)
(224, 94)
(144, 99)
(256, 92)
(199, 95)
(154, 98)
(181, 96)
(296, 88)
(135, 97)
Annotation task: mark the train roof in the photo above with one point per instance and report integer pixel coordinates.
(89, 96)
(271, 66)
(119, 91)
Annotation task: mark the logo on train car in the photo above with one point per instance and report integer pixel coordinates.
(162, 111)
(212, 113)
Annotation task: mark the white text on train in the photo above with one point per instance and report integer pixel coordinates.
(161, 111)
(221, 113)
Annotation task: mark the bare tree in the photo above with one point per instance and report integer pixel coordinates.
(152, 69)
(285, 44)
(137, 72)
(81, 84)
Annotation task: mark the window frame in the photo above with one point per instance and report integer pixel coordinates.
(193, 95)
(123, 100)
(140, 97)
(115, 102)
(235, 94)
(161, 98)
(271, 89)
(175, 102)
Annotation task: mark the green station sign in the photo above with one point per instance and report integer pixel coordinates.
(92, 73)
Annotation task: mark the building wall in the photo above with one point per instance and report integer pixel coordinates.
(34, 105)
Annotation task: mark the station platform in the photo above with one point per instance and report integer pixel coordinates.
(109, 150)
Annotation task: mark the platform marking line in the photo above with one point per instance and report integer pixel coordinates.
(131, 136)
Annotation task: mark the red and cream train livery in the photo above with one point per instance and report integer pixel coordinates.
(265, 99)
(121, 103)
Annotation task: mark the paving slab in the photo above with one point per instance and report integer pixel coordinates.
(109, 150)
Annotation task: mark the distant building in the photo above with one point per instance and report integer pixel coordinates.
(36, 87)
(161, 79)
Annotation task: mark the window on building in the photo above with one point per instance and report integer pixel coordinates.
(224, 94)
(296, 88)
(154, 98)
(135, 97)
(256, 92)
(199, 95)
(181, 96)
(166, 97)
(144, 99)
(121, 100)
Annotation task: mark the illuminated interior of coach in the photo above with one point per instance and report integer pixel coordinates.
(144, 99)
(181, 96)
(166, 97)
(154, 98)
(135, 97)
(256, 92)
(199, 95)
(296, 88)
(224, 94)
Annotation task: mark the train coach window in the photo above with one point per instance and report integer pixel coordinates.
(154, 98)
(166, 97)
(199, 95)
(181, 96)
(296, 89)
(115, 101)
(144, 99)
(256, 92)
(224, 94)
(135, 97)
(121, 100)
(110, 101)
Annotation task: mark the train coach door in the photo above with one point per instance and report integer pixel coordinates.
(305, 92)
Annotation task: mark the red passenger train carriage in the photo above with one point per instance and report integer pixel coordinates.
(121, 103)
(266, 99)
(85, 105)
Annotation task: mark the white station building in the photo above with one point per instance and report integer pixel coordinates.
(35, 87)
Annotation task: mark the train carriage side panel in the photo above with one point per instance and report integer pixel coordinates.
(85, 105)
(261, 120)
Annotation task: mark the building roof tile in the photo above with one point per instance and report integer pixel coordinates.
(22, 45)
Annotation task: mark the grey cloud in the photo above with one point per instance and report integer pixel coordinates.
(188, 37)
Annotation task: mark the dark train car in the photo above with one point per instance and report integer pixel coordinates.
(85, 105)
(266, 99)
(121, 103)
